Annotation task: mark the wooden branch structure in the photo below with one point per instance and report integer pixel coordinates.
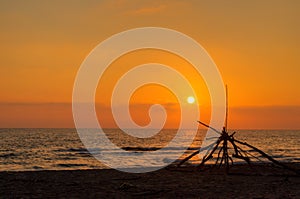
(221, 147)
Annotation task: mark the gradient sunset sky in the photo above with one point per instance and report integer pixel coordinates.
(255, 45)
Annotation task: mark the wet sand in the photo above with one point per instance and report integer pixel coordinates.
(262, 181)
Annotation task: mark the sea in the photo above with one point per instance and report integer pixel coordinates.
(62, 149)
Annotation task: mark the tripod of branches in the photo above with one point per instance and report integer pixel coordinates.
(221, 147)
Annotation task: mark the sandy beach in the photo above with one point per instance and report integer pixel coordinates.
(262, 181)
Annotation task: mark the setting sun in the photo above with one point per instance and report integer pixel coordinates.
(191, 100)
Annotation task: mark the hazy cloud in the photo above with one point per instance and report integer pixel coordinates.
(147, 10)
(60, 115)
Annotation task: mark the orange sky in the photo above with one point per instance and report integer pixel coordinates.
(255, 44)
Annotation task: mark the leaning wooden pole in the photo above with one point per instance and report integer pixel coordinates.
(188, 157)
(267, 156)
(226, 116)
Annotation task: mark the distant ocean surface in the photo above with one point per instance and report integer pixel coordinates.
(57, 149)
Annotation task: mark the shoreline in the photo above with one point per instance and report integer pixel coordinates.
(262, 181)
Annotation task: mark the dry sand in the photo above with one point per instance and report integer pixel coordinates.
(188, 182)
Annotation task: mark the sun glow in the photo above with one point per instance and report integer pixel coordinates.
(191, 100)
